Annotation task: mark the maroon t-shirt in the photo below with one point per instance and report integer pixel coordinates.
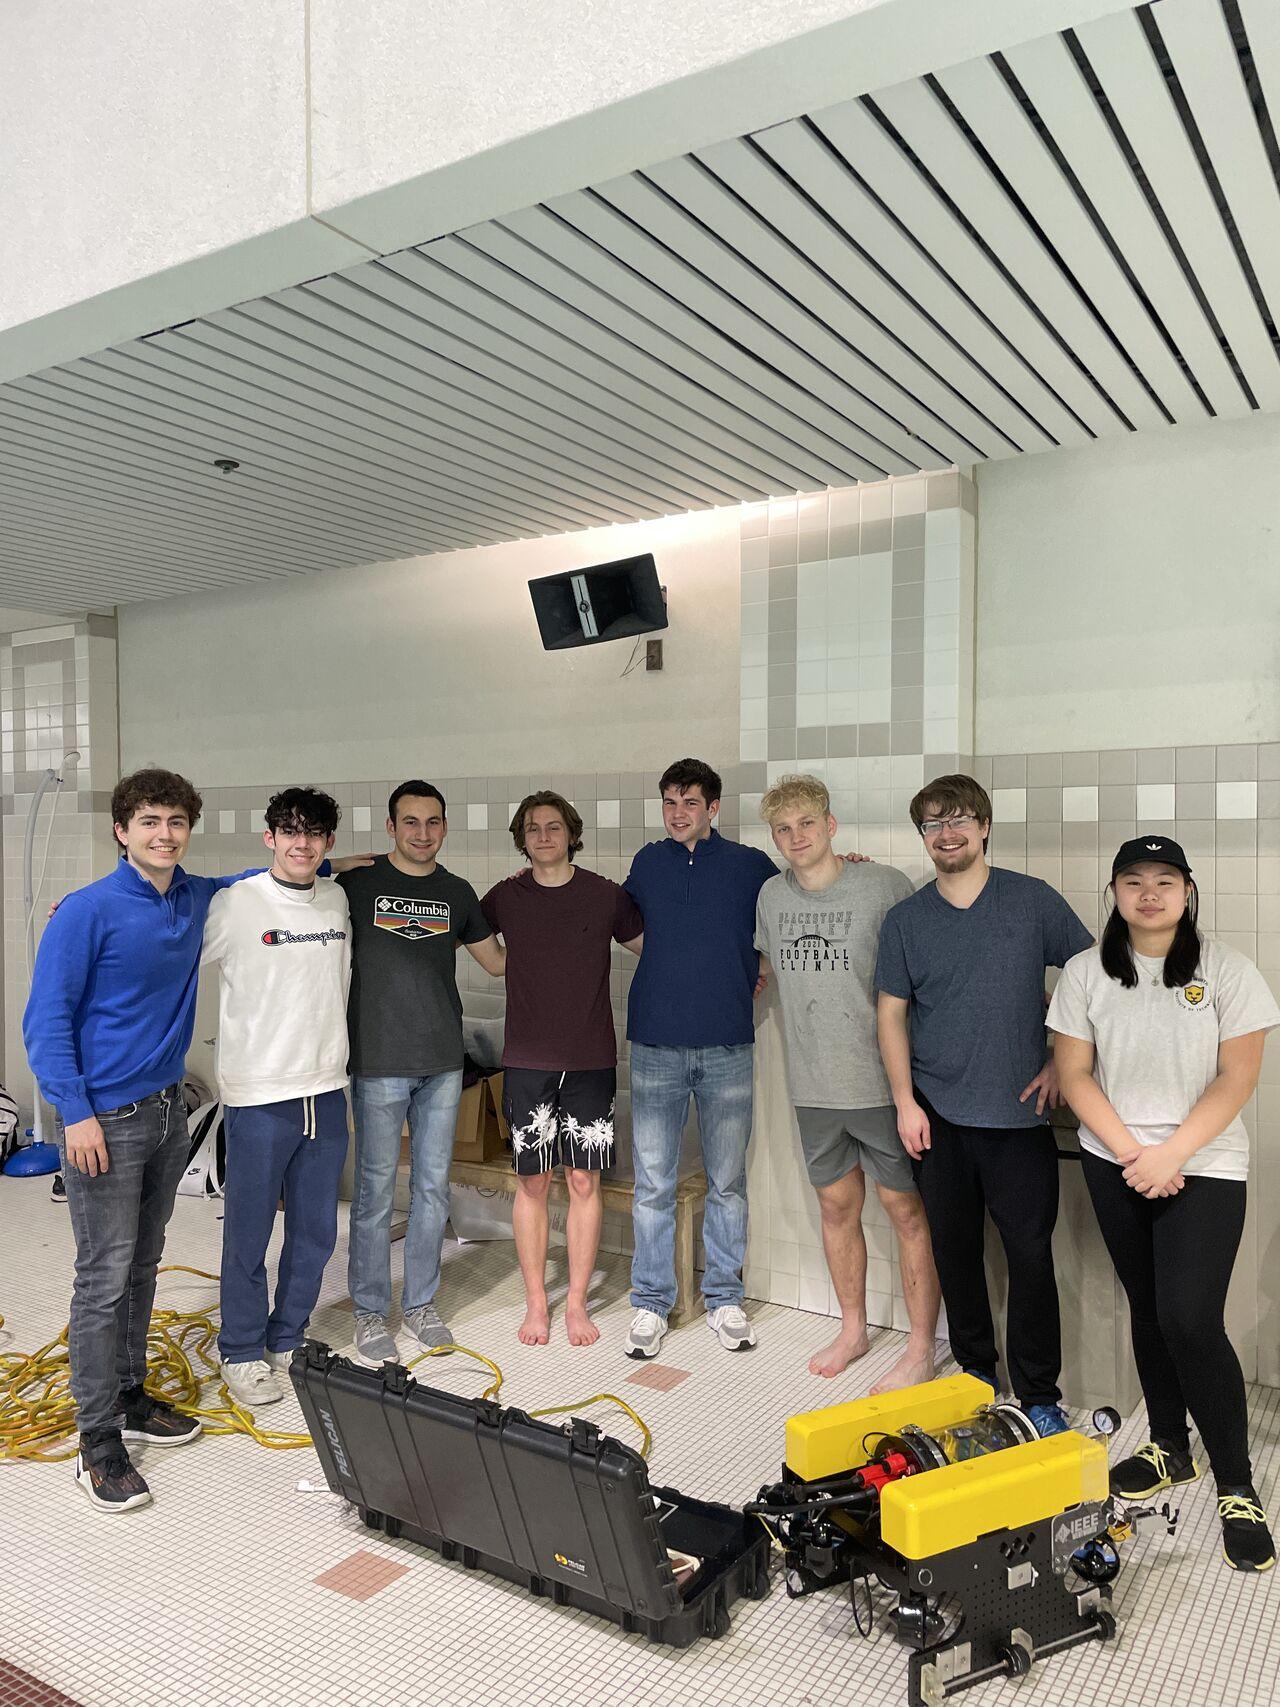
(558, 942)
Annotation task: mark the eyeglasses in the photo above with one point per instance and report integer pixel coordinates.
(962, 821)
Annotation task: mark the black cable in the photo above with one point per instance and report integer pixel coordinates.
(871, 1608)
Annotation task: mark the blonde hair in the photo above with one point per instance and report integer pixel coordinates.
(789, 791)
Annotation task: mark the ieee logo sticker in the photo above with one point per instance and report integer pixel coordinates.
(412, 921)
(1193, 996)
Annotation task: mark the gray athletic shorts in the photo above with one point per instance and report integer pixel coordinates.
(836, 1140)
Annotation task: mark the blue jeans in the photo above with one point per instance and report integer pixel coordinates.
(119, 1220)
(293, 1149)
(662, 1081)
(380, 1106)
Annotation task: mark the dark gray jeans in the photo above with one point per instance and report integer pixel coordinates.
(119, 1220)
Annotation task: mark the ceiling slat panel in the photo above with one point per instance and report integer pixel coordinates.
(763, 317)
(611, 389)
(984, 410)
(1054, 83)
(854, 132)
(1125, 67)
(1208, 70)
(609, 325)
(1016, 254)
(659, 388)
(950, 157)
(141, 448)
(672, 333)
(763, 362)
(993, 113)
(1035, 418)
(246, 352)
(245, 513)
(248, 511)
(178, 414)
(534, 413)
(793, 269)
(483, 336)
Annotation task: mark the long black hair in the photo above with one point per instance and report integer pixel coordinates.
(1180, 963)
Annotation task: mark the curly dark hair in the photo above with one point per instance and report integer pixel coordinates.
(153, 787)
(547, 797)
(299, 810)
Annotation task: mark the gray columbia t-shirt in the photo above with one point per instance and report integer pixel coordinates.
(974, 977)
(1155, 1050)
(404, 1013)
(822, 944)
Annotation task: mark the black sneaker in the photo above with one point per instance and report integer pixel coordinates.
(107, 1475)
(1246, 1540)
(156, 1423)
(58, 1190)
(1151, 1468)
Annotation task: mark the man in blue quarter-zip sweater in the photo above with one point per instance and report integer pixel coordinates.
(107, 1030)
(692, 1033)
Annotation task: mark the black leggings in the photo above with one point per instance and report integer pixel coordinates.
(1174, 1256)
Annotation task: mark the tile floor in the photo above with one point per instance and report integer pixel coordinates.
(241, 1588)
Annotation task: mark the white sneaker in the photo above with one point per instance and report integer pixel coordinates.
(731, 1327)
(252, 1383)
(279, 1360)
(645, 1335)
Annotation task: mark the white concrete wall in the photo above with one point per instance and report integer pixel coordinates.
(433, 665)
(1128, 595)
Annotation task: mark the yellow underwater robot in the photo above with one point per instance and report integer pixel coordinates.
(999, 1546)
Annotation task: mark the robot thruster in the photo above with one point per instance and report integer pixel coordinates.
(951, 1501)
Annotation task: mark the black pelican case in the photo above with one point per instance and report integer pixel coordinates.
(565, 1510)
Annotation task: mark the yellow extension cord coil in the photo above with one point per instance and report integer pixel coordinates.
(37, 1413)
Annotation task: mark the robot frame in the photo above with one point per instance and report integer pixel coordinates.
(939, 1492)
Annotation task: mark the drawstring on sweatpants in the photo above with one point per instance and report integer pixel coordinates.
(308, 1117)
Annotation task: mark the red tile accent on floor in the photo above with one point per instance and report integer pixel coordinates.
(19, 1689)
(361, 1576)
(660, 1376)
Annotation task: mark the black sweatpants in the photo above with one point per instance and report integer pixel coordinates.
(1011, 1173)
(1174, 1256)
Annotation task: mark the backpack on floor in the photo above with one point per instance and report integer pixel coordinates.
(8, 1126)
(206, 1169)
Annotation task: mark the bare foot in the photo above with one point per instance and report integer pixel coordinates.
(579, 1326)
(913, 1367)
(848, 1345)
(536, 1327)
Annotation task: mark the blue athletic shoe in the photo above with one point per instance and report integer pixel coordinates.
(983, 1375)
(1048, 1419)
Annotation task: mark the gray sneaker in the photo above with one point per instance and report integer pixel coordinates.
(646, 1334)
(427, 1326)
(374, 1345)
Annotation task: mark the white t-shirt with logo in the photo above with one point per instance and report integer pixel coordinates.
(1156, 1049)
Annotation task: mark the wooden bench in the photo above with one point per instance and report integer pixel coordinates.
(691, 1192)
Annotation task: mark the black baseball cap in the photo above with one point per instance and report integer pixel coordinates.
(1143, 848)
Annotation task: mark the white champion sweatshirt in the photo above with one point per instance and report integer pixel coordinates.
(285, 959)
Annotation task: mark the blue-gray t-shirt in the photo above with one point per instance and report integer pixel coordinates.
(974, 977)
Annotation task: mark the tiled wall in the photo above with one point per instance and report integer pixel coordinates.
(57, 693)
(857, 665)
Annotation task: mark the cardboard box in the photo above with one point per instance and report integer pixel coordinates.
(480, 1133)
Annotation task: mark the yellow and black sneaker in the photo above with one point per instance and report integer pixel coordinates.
(1151, 1468)
(1246, 1540)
